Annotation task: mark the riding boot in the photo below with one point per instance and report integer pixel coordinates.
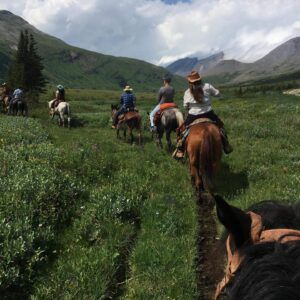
(226, 146)
(180, 147)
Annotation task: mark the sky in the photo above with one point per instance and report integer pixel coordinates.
(161, 31)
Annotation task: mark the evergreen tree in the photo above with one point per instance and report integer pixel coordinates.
(35, 79)
(26, 70)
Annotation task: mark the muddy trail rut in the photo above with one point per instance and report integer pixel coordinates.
(210, 257)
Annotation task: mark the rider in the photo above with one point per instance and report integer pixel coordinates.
(127, 101)
(17, 95)
(165, 95)
(197, 101)
(59, 96)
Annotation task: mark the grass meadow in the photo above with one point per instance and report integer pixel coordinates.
(86, 216)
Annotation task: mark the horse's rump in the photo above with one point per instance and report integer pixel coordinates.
(131, 118)
(204, 149)
(167, 109)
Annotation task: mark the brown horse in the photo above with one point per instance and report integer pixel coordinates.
(5, 104)
(130, 120)
(204, 149)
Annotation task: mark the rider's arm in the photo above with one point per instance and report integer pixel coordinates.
(121, 100)
(186, 102)
(213, 91)
(159, 96)
(134, 100)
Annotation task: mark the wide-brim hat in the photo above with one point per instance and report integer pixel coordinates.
(128, 88)
(194, 77)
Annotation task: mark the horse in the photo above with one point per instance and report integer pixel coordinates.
(18, 107)
(171, 119)
(204, 150)
(5, 104)
(62, 110)
(263, 251)
(131, 120)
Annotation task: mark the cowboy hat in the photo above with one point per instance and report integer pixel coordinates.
(194, 77)
(127, 88)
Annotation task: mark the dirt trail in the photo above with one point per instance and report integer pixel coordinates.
(210, 258)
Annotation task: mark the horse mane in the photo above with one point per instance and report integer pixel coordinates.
(270, 271)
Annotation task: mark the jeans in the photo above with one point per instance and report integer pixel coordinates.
(152, 114)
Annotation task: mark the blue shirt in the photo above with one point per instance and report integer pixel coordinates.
(18, 93)
(127, 100)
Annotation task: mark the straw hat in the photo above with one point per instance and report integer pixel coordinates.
(128, 88)
(194, 77)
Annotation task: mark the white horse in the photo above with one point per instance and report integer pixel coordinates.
(62, 110)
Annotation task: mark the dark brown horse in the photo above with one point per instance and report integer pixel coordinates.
(130, 120)
(204, 149)
(263, 251)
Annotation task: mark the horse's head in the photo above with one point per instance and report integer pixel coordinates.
(114, 109)
(259, 247)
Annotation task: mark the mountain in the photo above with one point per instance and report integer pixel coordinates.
(185, 65)
(281, 63)
(78, 68)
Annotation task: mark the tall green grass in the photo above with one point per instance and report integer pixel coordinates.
(132, 232)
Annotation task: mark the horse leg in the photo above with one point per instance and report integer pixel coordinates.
(131, 135)
(168, 138)
(140, 137)
(125, 133)
(118, 133)
(69, 122)
(159, 136)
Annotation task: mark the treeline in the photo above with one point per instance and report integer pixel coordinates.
(26, 70)
(244, 90)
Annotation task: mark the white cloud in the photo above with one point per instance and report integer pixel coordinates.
(157, 32)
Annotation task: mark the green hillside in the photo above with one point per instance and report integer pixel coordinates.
(79, 68)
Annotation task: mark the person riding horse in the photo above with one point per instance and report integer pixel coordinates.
(127, 101)
(59, 96)
(197, 102)
(165, 95)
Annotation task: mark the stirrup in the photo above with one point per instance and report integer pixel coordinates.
(178, 154)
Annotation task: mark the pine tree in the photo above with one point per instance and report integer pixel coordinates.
(35, 79)
(26, 70)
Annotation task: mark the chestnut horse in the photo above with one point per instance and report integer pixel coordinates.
(204, 149)
(263, 251)
(131, 120)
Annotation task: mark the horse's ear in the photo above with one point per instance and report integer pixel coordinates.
(112, 107)
(237, 222)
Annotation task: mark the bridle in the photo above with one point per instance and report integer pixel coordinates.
(258, 235)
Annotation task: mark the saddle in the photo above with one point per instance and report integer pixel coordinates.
(163, 107)
(186, 129)
(125, 116)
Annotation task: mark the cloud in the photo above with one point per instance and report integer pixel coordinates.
(161, 31)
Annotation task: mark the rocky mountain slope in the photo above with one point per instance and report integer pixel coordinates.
(282, 62)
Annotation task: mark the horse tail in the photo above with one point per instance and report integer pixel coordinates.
(207, 160)
(179, 117)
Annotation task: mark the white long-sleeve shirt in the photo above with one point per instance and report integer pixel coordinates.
(196, 108)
